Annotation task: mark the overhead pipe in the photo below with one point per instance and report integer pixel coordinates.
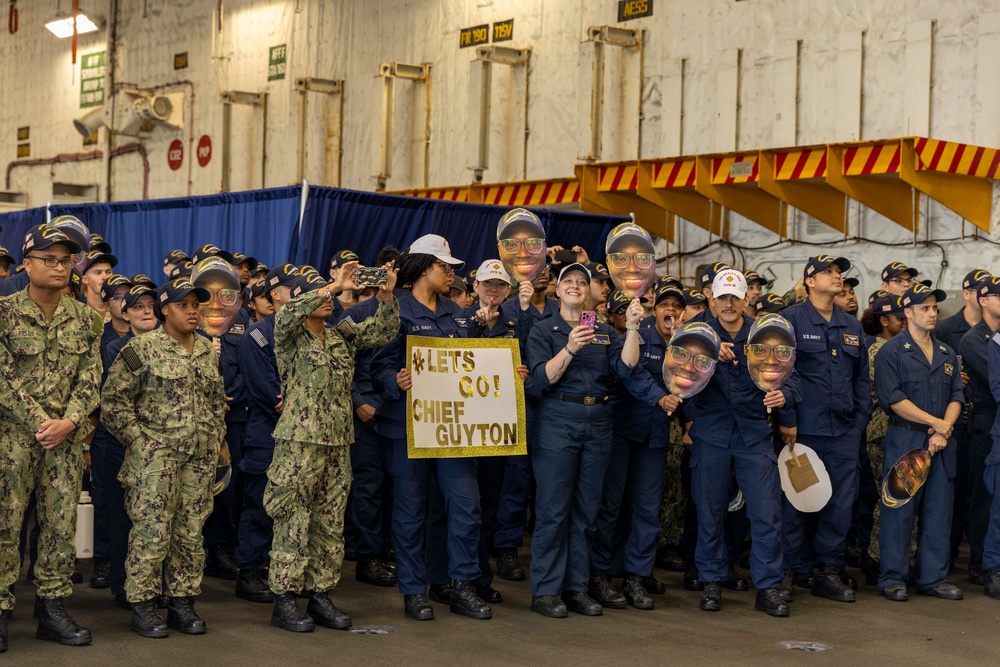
(83, 157)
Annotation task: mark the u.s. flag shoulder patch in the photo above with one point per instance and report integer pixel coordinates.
(131, 359)
(258, 338)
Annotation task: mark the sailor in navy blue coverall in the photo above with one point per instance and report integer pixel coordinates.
(832, 364)
(572, 366)
(918, 379)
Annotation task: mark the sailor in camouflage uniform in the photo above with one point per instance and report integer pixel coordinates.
(164, 400)
(310, 475)
(51, 370)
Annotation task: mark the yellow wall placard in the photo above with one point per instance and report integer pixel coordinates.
(467, 398)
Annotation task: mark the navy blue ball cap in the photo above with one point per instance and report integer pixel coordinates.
(693, 297)
(989, 286)
(670, 289)
(519, 218)
(143, 279)
(917, 294)
(888, 304)
(598, 271)
(698, 331)
(575, 266)
(975, 278)
(210, 250)
(135, 293)
(895, 269)
(98, 255)
(175, 257)
(43, 237)
(182, 269)
(707, 276)
(343, 257)
(73, 228)
(111, 283)
(281, 276)
(307, 284)
(627, 231)
(176, 290)
(822, 263)
(770, 303)
(240, 258)
(215, 267)
(772, 323)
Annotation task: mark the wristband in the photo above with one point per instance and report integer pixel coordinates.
(632, 327)
(570, 352)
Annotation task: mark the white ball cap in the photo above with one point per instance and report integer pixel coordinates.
(492, 269)
(729, 281)
(432, 244)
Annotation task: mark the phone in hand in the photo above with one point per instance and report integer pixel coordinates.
(370, 276)
(588, 318)
(565, 257)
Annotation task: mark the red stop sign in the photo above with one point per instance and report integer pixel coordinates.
(175, 154)
(204, 150)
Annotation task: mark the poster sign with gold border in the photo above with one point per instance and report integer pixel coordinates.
(466, 399)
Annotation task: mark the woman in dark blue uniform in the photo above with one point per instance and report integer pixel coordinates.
(572, 366)
(429, 270)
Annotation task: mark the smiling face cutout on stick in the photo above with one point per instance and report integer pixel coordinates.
(770, 351)
(631, 260)
(690, 360)
(521, 243)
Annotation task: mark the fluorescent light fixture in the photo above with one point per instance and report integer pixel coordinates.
(62, 26)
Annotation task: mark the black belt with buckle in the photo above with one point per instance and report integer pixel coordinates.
(910, 426)
(581, 400)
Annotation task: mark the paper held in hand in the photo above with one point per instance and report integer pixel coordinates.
(801, 473)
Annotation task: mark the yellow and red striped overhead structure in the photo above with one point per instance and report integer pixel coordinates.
(883, 175)
(612, 188)
(459, 194)
(869, 171)
(798, 177)
(528, 193)
(732, 180)
(669, 183)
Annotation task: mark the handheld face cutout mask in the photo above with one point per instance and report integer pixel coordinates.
(690, 360)
(521, 243)
(216, 317)
(631, 260)
(906, 477)
(770, 351)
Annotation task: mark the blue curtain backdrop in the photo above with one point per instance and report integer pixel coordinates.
(264, 224)
(261, 223)
(364, 222)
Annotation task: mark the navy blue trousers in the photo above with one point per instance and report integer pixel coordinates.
(371, 460)
(570, 460)
(256, 529)
(635, 471)
(756, 470)
(829, 542)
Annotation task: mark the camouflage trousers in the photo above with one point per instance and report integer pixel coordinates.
(56, 476)
(306, 495)
(168, 496)
(674, 503)
(876, 454)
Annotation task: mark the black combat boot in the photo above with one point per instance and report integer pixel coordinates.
(636, 594)
(4, 624)
(56, 625)
(147, 622)
(182, 616)
(322, 611)
(250, 586)
(508, 566)
(599, 588)
(370, 570)
(286, 615)
(465, 601)
(828, 584)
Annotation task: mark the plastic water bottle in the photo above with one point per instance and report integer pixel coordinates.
(85, 527)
